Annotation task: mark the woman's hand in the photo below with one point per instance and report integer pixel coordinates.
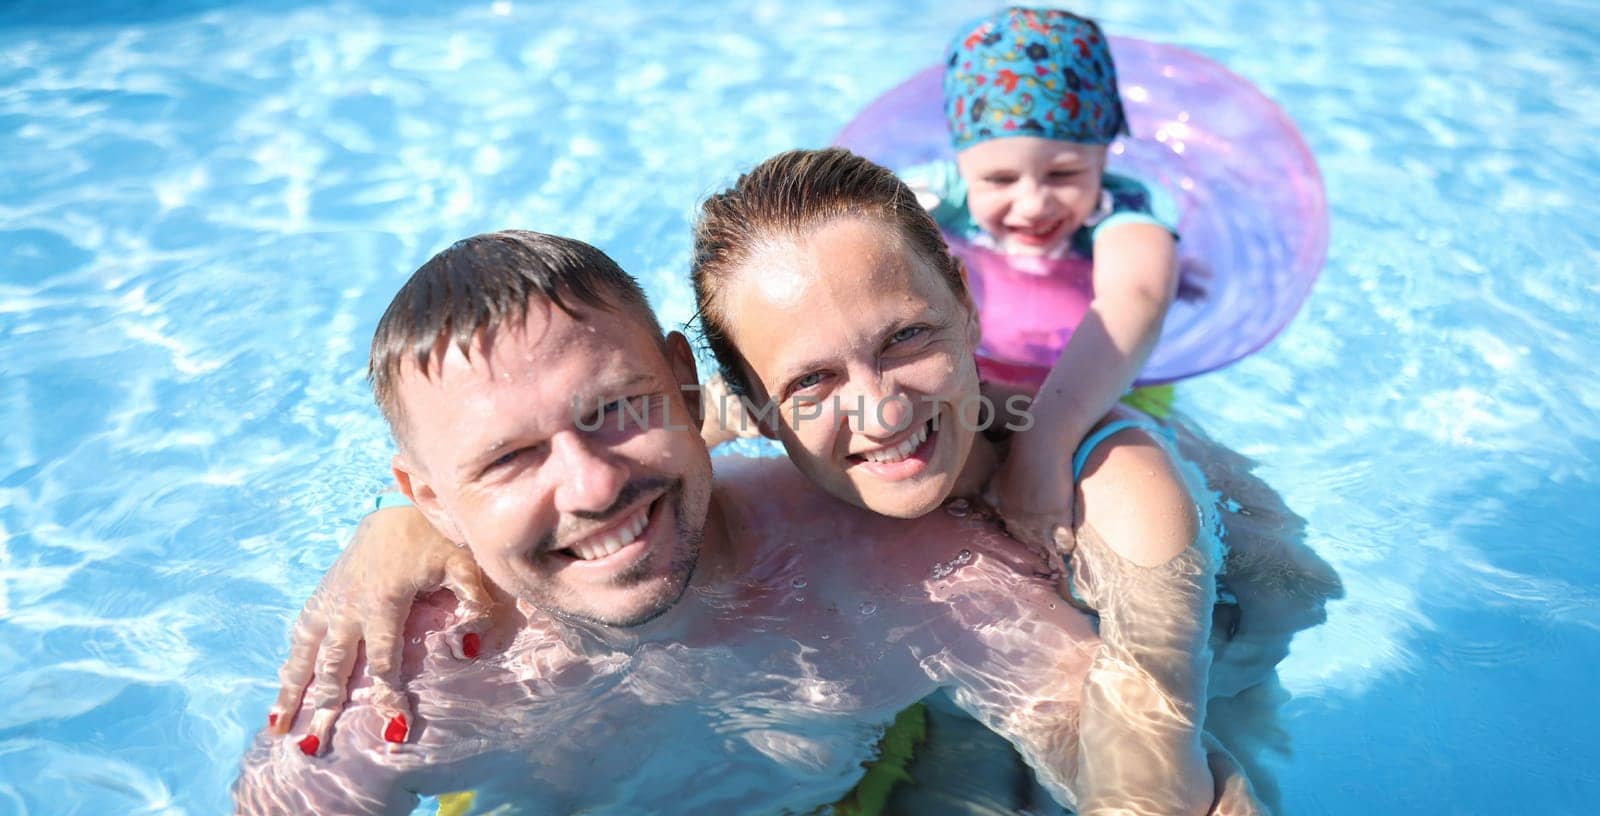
(367, 595)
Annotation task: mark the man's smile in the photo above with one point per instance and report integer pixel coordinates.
(623, 533)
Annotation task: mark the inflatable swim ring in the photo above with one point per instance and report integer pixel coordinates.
(1253, 217)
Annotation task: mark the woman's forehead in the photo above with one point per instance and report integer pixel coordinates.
(845, 283)
(850, 261)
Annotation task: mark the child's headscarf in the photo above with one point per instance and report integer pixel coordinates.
(1032, 72)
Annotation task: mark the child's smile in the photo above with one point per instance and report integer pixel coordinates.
(1030, 193)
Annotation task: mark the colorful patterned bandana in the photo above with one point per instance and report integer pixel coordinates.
(1032, 72)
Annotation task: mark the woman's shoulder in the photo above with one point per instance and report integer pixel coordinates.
(1127, 463)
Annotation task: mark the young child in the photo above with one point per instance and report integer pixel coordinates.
(1032, 104)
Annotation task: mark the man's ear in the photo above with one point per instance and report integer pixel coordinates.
(413, 484)
(687, 375)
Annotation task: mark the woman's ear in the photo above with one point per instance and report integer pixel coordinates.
(974, 328)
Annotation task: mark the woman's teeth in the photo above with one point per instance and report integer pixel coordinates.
(614, 540)
(901, 450)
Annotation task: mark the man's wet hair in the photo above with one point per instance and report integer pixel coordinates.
(478, 284)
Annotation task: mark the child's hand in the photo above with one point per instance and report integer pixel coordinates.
(366, 596)
(1034, 495)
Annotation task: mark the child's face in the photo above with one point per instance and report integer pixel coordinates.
(1029, 193)
(860, 342)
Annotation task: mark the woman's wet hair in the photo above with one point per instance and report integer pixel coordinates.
(480, 283)
(785, 198)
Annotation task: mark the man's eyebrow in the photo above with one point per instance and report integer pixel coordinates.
(593, 397)
(624, 384)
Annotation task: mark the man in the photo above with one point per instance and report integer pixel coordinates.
(663, 641)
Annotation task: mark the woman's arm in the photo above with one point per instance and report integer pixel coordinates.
(366, 596)
(1146, 566)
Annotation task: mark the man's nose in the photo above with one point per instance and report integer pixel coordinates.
(589, 478)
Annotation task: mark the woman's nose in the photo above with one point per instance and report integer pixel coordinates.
(881, 409)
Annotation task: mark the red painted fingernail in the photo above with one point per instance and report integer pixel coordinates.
(272, 720)
(309, 745)
(396, 732)
(469, 644)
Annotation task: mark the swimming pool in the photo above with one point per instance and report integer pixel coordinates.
(204, 208)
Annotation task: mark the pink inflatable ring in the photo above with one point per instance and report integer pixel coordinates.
(1253, 216)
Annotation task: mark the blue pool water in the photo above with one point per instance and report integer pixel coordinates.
(204, 207)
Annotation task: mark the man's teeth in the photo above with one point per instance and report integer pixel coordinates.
(614, 540)
(901, 450)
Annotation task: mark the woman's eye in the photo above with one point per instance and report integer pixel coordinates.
(804, 382)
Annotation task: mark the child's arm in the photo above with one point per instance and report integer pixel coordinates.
(1135, 279)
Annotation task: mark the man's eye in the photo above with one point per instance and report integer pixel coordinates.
(631, 413)
(611, 408)
(507, 458)
(905, 334)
